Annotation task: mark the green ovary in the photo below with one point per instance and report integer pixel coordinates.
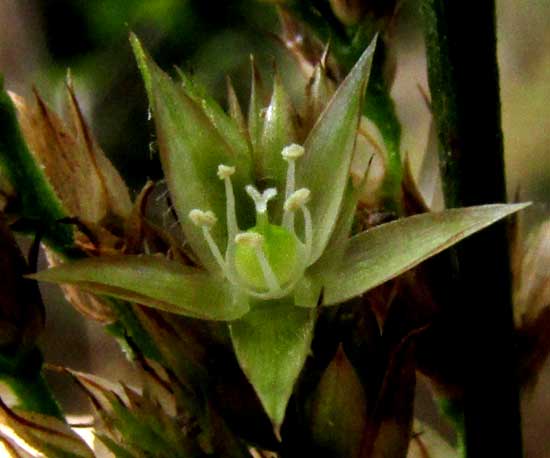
(281, 248)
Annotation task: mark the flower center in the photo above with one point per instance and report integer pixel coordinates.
(268, 259)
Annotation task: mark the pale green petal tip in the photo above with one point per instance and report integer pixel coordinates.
(272, 343)
(329, 149)
(143, 62)
(519, 206)
(384, 252)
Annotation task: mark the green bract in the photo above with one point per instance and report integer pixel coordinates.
(267, 210)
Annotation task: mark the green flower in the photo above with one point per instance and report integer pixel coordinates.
(267, 211)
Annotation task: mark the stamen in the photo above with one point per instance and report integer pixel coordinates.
(255, 241)
(205, 220)
(308, 230)
(202, 218)
(224, 173)
(260, 199)
(298, 200)
(290, 153)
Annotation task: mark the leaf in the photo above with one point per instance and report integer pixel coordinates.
(191, 148)
(47, 434)
(279, 130)
(386, 251)
(329, 149)
(152, 281)
(339, 410)
(37, 197)
(272, 342)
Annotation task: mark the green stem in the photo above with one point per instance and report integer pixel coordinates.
(463, 78)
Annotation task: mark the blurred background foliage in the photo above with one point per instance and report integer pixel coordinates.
(209, 38)
(41, 39)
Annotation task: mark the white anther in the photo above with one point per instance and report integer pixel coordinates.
(250, 239)
(292, 152)
(297, 200)
(225, 171)
(202, 218)
(260, 199)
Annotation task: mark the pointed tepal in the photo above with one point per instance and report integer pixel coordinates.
(384, 252)
(154, 282)
(279, 130)
(194, 138)
(272, 342)
(325, 167)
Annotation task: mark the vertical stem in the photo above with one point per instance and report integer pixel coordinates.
(463, 78)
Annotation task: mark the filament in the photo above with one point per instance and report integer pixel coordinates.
(290, 153)
(308, 231)
(224, 173)
(214, 249)
(269, 276)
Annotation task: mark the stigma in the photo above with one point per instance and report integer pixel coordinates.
(268, 259)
